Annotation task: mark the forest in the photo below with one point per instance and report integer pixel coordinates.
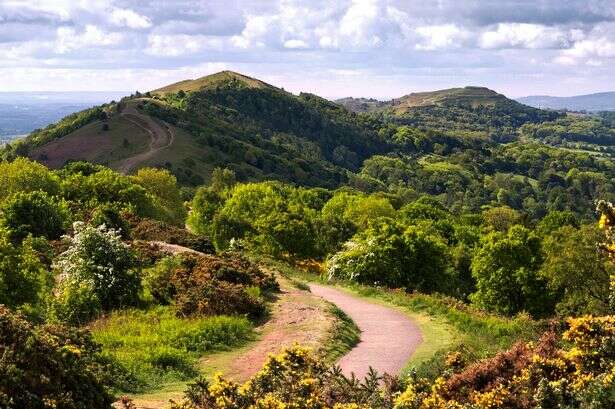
(482, 218)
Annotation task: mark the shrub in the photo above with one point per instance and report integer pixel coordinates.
(50, 366)
(34, 213)
(153, 230)
(23, 175)
(97, 260)
(393, 255)
(211, 285)
(157, 279)
(23, 277)
(112, 216)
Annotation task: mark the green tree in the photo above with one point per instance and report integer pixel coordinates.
(576, 271)
(394, 255)
(23, 175)
(163, 186)
(505, 268)
(222, 179)
(34, 213)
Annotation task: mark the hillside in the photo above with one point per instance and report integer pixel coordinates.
(225, 119)
(601, 101)
(360, 104)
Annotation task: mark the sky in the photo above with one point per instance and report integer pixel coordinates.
(334, 48)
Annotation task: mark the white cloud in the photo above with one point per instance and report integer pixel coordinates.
(68, 39)
(295, 44)
(523, 35)
(439, 37)
(174, 45)
(129, 18)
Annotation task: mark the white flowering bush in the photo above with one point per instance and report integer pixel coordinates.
(97, 273)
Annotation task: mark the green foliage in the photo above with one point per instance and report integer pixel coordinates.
(50, 366)
(157, 280)
(22, 176)
(163, 187)
(107, 186)
(97, 269)
(270, 217)
(505, 269)
(23, 278)
(111, 216)
(393, 255)
(576, 271)
(34, 213)
(155, 346)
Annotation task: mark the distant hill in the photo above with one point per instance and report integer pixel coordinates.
(213, 81)
(22, 112)
(478, 110)
(602, 101)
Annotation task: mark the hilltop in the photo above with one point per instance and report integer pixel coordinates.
(212, 81)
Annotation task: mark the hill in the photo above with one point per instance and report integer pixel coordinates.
(225, 119)
(476, 111)
(601, 101)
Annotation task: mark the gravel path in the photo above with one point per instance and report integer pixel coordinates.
(388, 337)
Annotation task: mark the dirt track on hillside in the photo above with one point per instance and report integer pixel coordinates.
(161, 137)
(388, 337)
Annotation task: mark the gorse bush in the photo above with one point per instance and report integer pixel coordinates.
(532, 375)
(98, 269)
(50, 367)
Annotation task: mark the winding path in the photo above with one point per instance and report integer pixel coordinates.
(161, 137)
(388, 337)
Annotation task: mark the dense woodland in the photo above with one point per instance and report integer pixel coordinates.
(483, 211)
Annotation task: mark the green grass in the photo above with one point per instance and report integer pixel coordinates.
(344, 336)
(158, 348)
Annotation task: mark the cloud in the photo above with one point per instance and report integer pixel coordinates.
(128, 18)
(522, 35)
(68, 39)
(181, 44)
(440, 37)
(444, 42)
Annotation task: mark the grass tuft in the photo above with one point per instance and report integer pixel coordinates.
(155, 347)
